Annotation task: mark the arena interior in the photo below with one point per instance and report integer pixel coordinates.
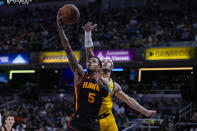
(152, 44)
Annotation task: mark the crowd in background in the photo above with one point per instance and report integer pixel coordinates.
(53, 114)
(43, 114)
(171, 81)
(35, 30)
(31, 31)
(26, 30)
(164, 106)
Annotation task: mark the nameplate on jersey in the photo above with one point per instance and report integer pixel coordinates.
(91, 85)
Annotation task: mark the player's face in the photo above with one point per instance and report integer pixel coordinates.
(10, 121)
(107, 64)
(93, 64)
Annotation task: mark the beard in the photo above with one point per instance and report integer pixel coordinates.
(89, 71)
(106, 70)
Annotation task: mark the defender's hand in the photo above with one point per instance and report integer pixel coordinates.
(150, 113)
(89, 26)
(104, 87)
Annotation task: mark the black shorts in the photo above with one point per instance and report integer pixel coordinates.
(83, 123)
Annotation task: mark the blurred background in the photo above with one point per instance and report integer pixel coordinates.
(152, 44)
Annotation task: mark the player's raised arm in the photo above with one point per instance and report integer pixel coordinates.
(132, 103)
(75, 67)
(88, 27)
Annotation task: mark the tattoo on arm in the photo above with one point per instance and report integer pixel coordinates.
(71, 57)
(72, 61)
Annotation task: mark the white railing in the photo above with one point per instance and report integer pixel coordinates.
(186, 110)
(130, 127)
(186, 126)
(138, 123)
(136, 127)
(49, 42)
(7, 105)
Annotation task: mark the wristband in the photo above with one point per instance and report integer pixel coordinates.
(88, 39)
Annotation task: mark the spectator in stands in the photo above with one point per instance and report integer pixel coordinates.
(194, 117)
(9, 122)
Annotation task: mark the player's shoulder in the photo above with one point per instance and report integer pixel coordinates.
(117, 87)
(116, 84)
(80, 68)
(1, 128)
(79, 75)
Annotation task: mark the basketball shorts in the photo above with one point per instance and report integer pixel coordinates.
(108, 123)
(83, 123)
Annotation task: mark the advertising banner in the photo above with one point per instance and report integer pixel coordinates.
(116, 55)
(3, 78)
(14, 58)
(170, 53)
(56, 57)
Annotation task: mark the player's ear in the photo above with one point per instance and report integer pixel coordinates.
(112, 66)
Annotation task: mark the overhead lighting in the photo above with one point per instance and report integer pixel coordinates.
(20, 71)
(2, 2)
(118, 69)
(160, 69)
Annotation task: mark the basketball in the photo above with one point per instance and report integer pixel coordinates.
(71, 14)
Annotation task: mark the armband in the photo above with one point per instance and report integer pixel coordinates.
(88, 39)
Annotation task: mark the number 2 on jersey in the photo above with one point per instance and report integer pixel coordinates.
(91, 97)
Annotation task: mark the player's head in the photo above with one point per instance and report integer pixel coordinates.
(9, 119)
(94, 64)
(107, 64)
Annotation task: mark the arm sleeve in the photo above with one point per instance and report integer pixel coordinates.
(88, 39)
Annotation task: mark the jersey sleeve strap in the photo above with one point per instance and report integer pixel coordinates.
(81, 81)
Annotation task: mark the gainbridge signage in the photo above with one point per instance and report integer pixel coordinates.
(170, 53)
(56, 57)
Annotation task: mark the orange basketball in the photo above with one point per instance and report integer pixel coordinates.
(71, 14)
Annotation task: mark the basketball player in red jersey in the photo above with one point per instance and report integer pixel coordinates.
(89, 88)
(9, 122)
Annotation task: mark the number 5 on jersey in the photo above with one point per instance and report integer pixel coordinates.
(91, 97)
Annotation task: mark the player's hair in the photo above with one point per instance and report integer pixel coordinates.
(112, 63)
(9, 114)
(100, 63)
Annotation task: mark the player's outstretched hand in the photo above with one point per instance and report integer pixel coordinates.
(89, 26)
(59, 17)
(150, 113)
